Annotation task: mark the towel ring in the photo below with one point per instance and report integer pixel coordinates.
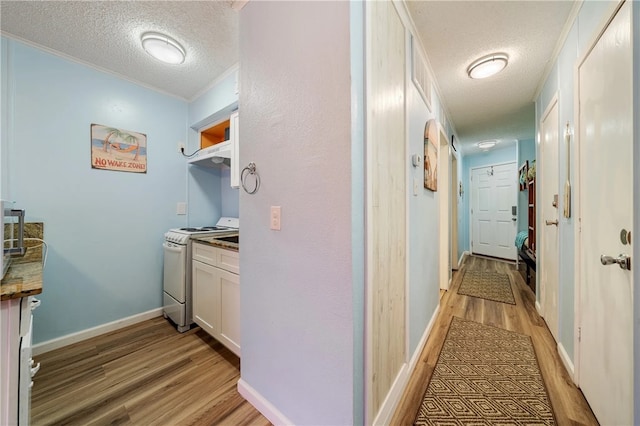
(247, 171)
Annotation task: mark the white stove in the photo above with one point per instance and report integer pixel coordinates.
(177, 268)
(182, 235)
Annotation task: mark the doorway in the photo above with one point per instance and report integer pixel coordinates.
(453, 202)
(494, 200)
(444, 184)
(547, 180)
(604, 284)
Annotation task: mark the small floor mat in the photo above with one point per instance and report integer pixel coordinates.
(488, 285)
(485, 376)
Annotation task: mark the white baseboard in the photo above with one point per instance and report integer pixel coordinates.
(261, 404)
(79, 336)
(564, 356)
(539, 308)
(390, 403)
(464, 253)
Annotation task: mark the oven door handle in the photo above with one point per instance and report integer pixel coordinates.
(173, 249)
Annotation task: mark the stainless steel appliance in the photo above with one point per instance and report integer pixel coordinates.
(177, 299)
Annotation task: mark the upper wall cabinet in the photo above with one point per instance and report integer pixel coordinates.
(219, 147)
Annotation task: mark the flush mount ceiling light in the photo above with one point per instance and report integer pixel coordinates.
(163, 48)
(484, 145)
(488, 65)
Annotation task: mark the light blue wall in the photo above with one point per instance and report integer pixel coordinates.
(526, 152)
(229, 197)
(493, 156)
(209, 192)
(296, 283)
(424, 254)
(561, 83)
(221, 96)
(4, 117)
(357, 46)
(104, 229)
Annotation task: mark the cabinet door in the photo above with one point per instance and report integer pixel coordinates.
(235, 150)
(206, 297)
(230, 311)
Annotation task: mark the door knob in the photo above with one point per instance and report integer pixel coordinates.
(623, 260)
(551, 222)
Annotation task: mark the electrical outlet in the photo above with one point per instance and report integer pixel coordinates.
(275, 218)
(181, 208)
(181, 146)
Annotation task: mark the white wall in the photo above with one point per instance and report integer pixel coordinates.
(104, 229)
(296, 284)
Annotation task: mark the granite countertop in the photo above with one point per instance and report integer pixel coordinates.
(216, 242)
(22, 280)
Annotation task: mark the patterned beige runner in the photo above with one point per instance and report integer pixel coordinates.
(488, 285)
(485, 376)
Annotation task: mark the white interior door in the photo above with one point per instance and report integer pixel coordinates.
(605, 368)
(547, 180)
(493, 220)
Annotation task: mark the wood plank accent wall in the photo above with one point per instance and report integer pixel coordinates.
(386, 204)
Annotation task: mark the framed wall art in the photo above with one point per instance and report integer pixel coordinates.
(118, 149)
(430, 156)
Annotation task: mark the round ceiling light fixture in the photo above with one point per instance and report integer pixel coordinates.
(488, 65)
(163, 48)
(485, 145)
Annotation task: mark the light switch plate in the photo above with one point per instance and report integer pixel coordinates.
(181, 208)
(275, 218)
(416, 186)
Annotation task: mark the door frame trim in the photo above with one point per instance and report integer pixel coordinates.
(577, 199)
(444, 210)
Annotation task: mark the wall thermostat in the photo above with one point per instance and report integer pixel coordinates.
(416, 160)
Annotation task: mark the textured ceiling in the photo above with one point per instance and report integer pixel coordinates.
(106, 34)
(455, 33)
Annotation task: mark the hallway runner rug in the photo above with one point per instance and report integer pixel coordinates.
(488, 285)
(485, 376)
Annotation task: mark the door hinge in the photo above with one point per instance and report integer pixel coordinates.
(579, 334)
(471, 243)
(471, 211)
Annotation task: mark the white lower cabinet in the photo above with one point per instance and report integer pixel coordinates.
(216, 294)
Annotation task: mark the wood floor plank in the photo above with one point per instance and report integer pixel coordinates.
(568, 403)
(145, 374)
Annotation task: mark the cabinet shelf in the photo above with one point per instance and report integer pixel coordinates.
(215, 134)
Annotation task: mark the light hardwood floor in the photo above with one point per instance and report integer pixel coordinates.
(569, 405)
(145, 374)
(149, 374)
